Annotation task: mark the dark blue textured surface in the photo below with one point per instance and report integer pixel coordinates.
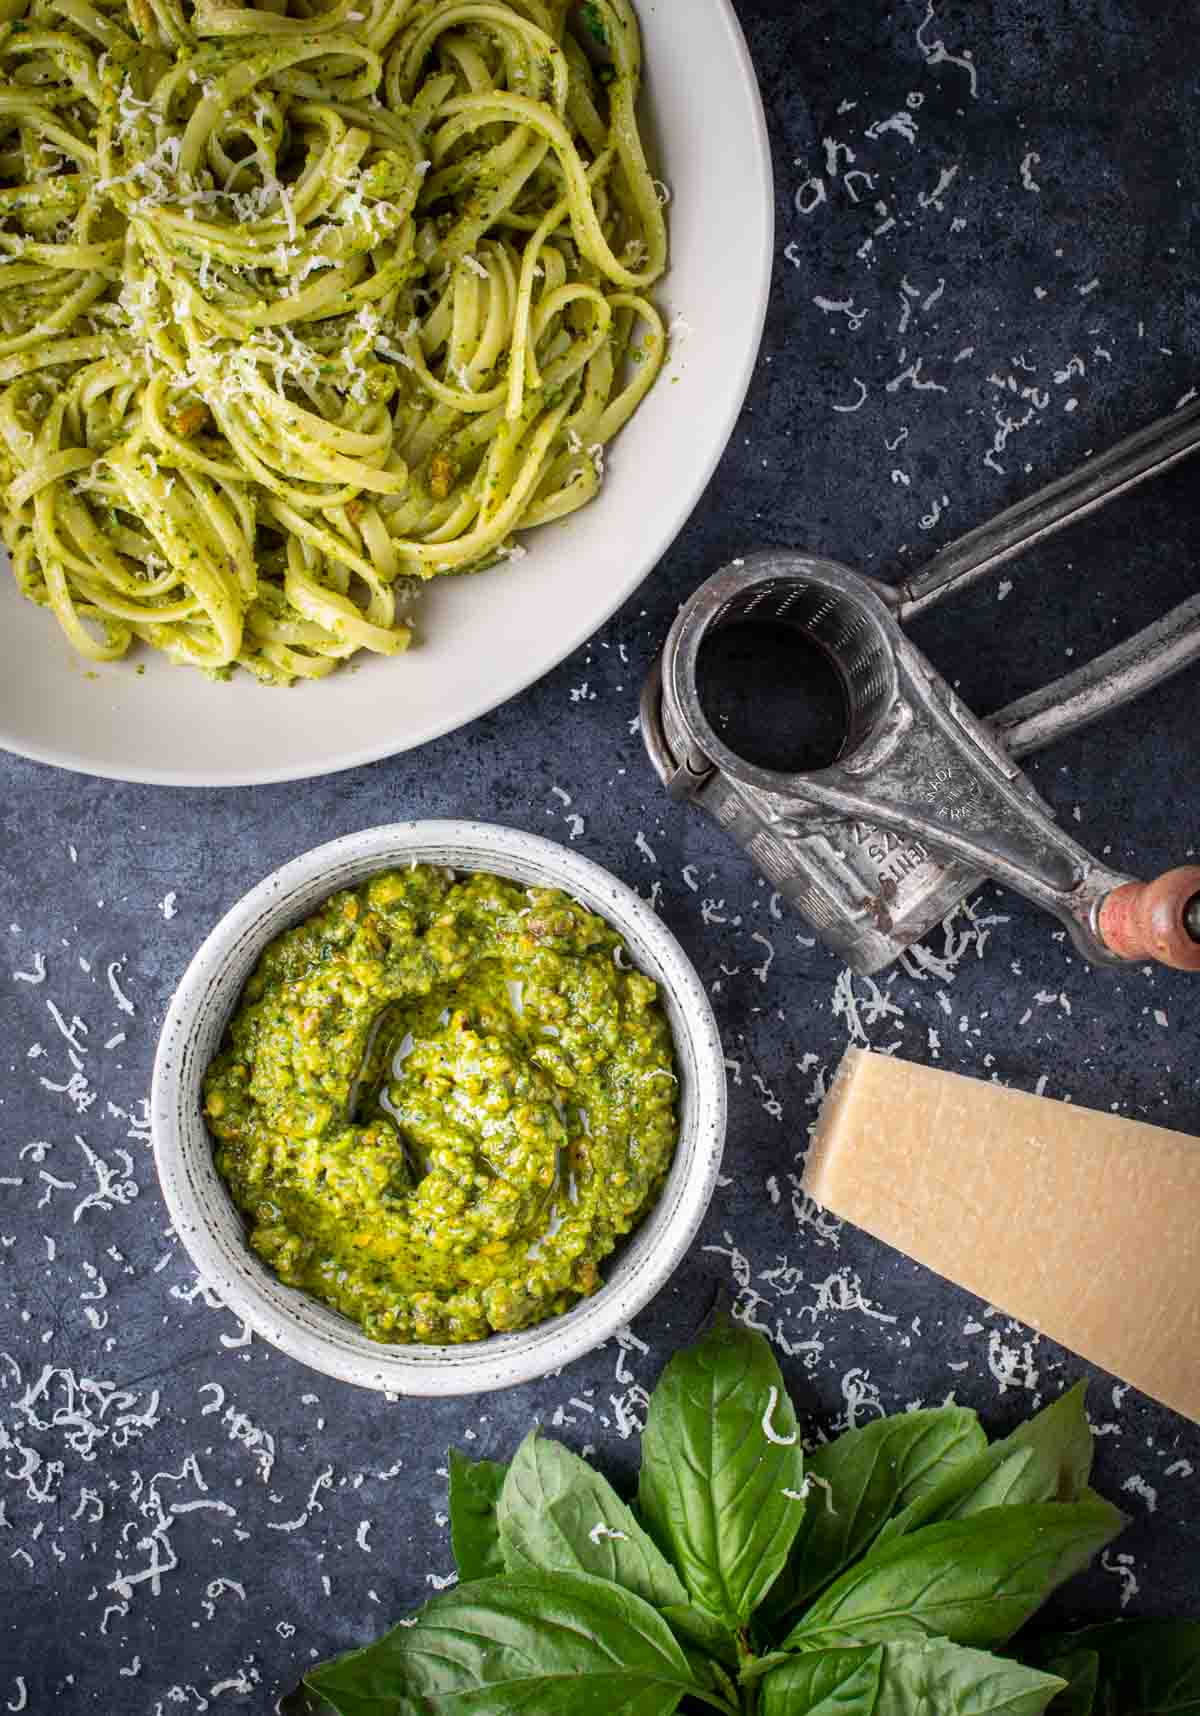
(1094, 103)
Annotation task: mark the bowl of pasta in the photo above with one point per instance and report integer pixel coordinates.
(356, 360)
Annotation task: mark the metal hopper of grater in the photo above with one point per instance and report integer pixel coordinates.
(924, 800)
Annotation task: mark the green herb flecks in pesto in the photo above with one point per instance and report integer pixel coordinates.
(595, 23)
(441, 1103)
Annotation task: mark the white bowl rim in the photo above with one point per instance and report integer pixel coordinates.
(277, 1313)
(670, 523)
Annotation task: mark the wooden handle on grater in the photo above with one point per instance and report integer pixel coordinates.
(1155, 920)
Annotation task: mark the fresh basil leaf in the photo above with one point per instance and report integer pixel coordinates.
(724, 1684)
(474, 1534)
(825, 1683)
(1081, 1671)
(520, 1645)
(1019, 1478)
(719, 1452)
(692, 1627)
(711, 1676)
(974, 1581)
(758, 1667)
(1048, 1458)
(858, 1481)
(358, 1684)
(1144, 1668)
(558, 1514)
(1148, 1668)
(907, 1679)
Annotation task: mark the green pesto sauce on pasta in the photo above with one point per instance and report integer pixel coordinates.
(440, 1104)
(305, 305)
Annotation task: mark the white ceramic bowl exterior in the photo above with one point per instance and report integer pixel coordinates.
(204, 1215)
(481, 639)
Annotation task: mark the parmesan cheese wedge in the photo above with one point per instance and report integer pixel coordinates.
(1083, 1225)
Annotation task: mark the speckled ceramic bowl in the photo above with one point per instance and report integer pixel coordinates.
(209, 1225)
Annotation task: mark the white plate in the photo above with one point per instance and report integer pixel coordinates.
(482, 639)
(203, 1214)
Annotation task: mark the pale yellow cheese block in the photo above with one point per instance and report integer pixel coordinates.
(1083, 1225)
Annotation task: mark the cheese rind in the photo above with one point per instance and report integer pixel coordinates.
(1081, 1224)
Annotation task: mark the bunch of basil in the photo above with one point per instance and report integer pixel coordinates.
(876, 1577)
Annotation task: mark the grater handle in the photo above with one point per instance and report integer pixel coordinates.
(1089, 693)
(1155, 920)
(982, 551)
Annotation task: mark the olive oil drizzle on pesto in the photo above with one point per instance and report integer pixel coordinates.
(441, 1103)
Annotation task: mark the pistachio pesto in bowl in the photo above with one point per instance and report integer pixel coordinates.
(442, 1101)
(438, 1107)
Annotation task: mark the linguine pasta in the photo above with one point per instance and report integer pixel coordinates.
(300, 307)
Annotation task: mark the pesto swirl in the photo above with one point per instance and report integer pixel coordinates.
(440, 1104)
(301, 307)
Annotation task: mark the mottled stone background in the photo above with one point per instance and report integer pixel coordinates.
(1008, 283)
